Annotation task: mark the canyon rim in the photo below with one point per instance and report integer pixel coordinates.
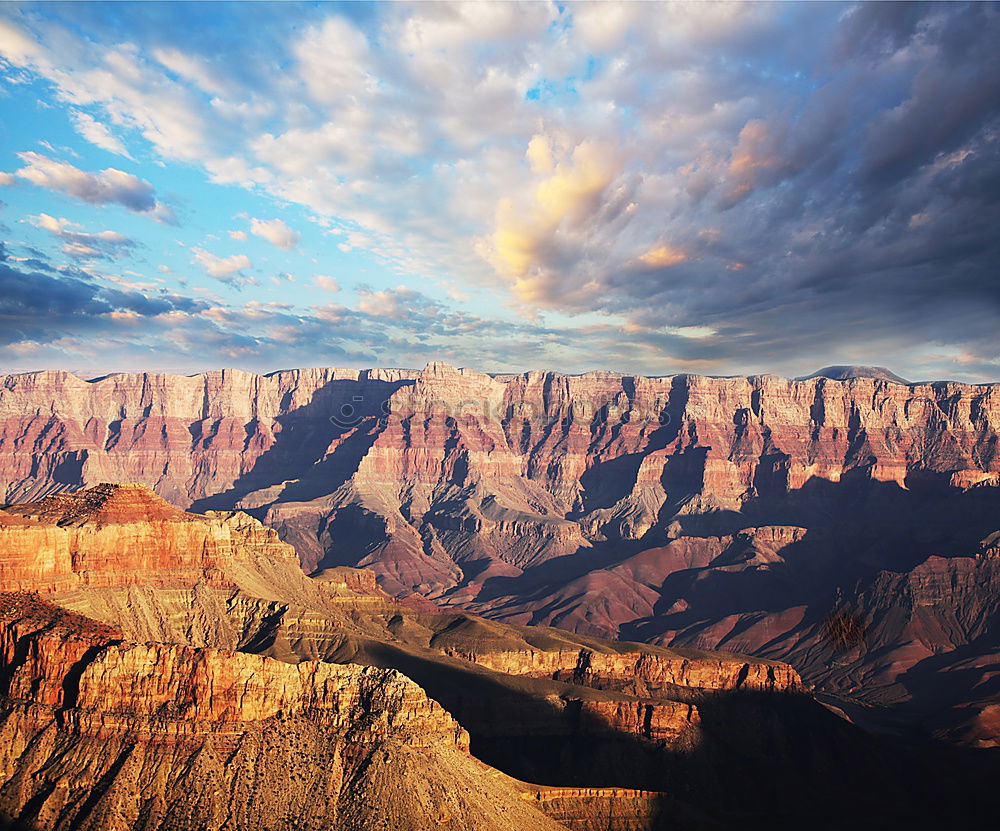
(410, 416)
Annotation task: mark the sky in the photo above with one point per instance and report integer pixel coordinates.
(647, 188)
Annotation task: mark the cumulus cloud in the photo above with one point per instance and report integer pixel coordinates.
(275, 232)
(399, 303)
(326, 282)
(107, 186)
(83, 246)
(224, 269)
(536, 237)
(7, 178)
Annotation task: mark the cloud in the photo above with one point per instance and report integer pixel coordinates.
(798, 183)
(192, 68)
(107, 186)
(44, 307)
(7, 178)
(327, 283)
(224, 269)
(533, 237)
(83, 246)
(399, 303)
(238, 235)
(275, 232)
(97, 133)
(662, 256)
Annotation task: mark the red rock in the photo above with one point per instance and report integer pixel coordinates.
(612, 505)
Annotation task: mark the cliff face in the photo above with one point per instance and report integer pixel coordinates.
(733, 513)
(192, 676)
(68, 541)
(104, 734)
(209, 682)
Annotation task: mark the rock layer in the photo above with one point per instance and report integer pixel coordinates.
(147, 704)
(217, 686)
(734, 513)
(205, 738)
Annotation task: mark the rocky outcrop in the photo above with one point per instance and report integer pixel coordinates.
(205, 656)
(593, 809)
(642, 671)
(257, 697)
(114, 535)
(104, 734)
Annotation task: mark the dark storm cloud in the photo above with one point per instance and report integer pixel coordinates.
(45, 306)
(870, 218)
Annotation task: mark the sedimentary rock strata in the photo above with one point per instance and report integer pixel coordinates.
(720, 513)
(192, 676)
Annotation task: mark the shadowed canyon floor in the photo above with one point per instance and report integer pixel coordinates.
(717, 513)
(162, 669)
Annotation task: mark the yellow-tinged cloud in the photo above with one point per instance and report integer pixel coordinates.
(572, 189)
(513, 241)
(568, 195)
(539, 154)
(663, 256)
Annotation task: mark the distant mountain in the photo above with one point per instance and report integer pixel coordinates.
(843, 373)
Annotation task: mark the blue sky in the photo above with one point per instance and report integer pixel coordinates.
(652, 188)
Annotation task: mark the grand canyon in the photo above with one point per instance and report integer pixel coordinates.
(158, 532)
(510, 415)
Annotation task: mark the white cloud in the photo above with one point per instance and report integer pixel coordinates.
(97, 133)
(396, 304)
(238, 235)
(15, 46)
(326, 282)
(275, 232)
(83, 246)
(7, 178)
(332, 60)
(223, 269)
(191, 68)
(109, 185)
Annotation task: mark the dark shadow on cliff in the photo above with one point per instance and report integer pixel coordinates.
(771, 761)
(855, 528)
(339, 408)
(939, 685)
(759, 760)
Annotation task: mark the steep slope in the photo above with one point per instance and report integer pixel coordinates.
(356, 747)
(733, 513)
(205, 738)
(134, 717)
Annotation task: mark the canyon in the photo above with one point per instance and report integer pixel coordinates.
(168, 669)
(745, 514)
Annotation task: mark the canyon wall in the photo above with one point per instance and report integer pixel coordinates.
(104, 734)
(179, 670)
(733, 513)
(156, 665)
